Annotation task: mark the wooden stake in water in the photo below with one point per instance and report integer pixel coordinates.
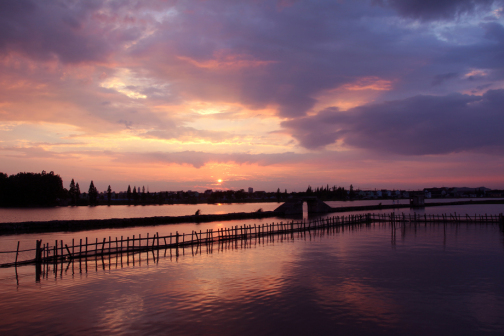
(17, 253)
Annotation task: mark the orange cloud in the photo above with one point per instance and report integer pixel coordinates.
(226, 61)
(368, 83)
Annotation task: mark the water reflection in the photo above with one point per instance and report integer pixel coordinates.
(126, 211)
(97, 263)
(305, 211)
(434, 280)
(131, 211)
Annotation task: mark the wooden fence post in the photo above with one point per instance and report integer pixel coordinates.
(38, 251)
(68, 250)
(17, 253)
(103, 245)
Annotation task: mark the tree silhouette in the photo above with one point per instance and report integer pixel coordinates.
(128, 194)
(4, 182)
(109, 194)
(352, 193)
(92, 193)
(72, 192)
(135, 195)
(77, 193)
(31, 189)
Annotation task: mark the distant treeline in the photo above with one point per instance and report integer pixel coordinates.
(31, 189)
(331, 193)
(46, 189)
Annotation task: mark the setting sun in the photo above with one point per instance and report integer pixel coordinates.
(219, 180)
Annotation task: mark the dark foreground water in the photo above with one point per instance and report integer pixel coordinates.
(366, 280)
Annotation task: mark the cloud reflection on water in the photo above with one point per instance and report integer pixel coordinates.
(350, 281)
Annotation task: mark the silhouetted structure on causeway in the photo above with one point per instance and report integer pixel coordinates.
(294, 206)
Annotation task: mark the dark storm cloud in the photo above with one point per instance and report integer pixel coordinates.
(436, 9)
(420, 125)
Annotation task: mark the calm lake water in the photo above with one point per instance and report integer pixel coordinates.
(28, 241)
(138, 211)
(366, 280)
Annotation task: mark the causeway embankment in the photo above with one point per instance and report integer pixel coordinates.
(94, 224)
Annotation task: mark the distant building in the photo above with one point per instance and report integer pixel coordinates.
(495, 193)
(386, 193)
(250, 190)
(436, 192)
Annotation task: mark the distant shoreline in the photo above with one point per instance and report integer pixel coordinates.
(113, 203)
(121, 202)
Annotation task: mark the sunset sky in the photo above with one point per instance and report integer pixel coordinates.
(176, 95)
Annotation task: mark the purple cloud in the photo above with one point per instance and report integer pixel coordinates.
(260, 55)
(436, 9)
(439, 79)
(290, 52)
(419, 125)
(71, 31)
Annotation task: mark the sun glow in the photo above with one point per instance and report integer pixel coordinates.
(219, 180)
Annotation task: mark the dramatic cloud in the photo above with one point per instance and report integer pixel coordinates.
(53, 29)
(236, 83)
(274, 58)
(419, 125)
(437, 9)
